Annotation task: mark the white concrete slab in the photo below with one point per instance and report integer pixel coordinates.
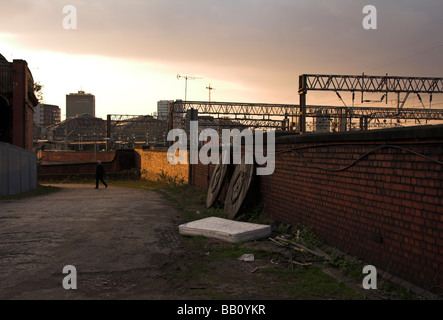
(225, 229)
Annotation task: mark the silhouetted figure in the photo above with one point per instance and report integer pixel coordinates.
(99, 175)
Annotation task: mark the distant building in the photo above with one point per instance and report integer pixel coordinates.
(46, 115)
(17, 102)
(80, 103)
(140, 130)
(81, 130)
(84, 132)
(163, 109)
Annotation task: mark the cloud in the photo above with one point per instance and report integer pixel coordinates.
(260, 43)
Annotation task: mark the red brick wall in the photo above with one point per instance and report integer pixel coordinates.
(383, 204)
(23, 103)
(201, 174)
(154, 165)
(123, 162)
(73, 156)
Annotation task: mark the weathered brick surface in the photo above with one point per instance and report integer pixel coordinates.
(151, 164)
(73, 156)
(121, 164)
(154, 165)
(378, 197)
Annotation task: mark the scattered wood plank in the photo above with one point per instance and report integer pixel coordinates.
(257, 268)
(316, 252)
(286, 245)
(277, 242)
(300, 263)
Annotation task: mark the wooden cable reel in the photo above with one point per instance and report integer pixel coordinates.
(238, 188)
(216, 182)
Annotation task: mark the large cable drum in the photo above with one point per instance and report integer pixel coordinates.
(216, 182)
(238, 188)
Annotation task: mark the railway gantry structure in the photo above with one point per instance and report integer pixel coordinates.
(251, 115)
(279, 116)
(369, 84)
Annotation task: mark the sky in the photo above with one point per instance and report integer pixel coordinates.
(129, 53)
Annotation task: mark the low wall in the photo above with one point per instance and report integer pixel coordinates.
(74, 156)
(154, 165)
(18, 170)
(121, 166)
(138, 163)
(377, 195)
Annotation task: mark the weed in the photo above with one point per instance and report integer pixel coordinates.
(256, 214)
(175, 180)
(349, 266)
(312, 283)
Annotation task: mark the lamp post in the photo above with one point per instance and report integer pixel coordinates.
(80, 142)
(95, 148)
(107, 143)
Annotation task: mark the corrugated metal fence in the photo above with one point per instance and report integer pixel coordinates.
(18, 170)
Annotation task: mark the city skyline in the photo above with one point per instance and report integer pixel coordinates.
(128, 54)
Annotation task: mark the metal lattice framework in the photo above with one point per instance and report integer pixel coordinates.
(375, 113)
(277, 116)
(369, 84)
(232, 114)
(364, 83)
(235, 108)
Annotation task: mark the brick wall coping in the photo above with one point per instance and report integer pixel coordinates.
(427, 132)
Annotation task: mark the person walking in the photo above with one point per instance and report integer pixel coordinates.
(99, 175)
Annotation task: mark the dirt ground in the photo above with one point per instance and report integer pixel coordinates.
(124, 244)
(116, 238)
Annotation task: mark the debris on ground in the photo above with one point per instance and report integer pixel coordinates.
(247, 257)
(283, 241)
(300, 252)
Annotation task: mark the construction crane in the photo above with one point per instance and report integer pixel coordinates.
(186, 82)
(210, 88)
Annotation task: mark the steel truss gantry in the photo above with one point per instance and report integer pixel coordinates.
(251, 115)
(375, 113)
(276, 116)
(365, 84)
